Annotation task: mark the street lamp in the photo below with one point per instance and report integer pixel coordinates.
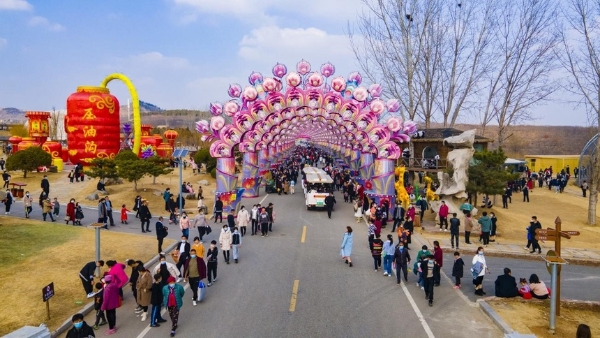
(178, 154)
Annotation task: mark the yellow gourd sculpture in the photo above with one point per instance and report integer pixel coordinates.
(401, 193)
(430, 195)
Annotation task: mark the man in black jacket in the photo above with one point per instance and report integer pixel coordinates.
(184, 252)
(135, 274)
(161, 233)
(45, 185)
(401, 260)
(506, 285)
(535, 224)
(431, 272)
(329, 202)
(218, 210)
(87, 276)
(454, 230)
(80, 328)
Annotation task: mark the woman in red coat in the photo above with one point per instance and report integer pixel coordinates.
(530, 184)
(70, 212)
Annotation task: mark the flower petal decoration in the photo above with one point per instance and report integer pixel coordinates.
(231, 107)
(393, 105)
(338, 84)
(303, 67)
(250, 93)
(279, 70)
(235, 90)
(217, 122)
(327, 69)
(255, 78)
(216, 108)
(293, 79)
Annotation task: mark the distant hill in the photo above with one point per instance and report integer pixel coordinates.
(11, 114)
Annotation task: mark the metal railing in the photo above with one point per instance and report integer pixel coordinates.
(423, 163)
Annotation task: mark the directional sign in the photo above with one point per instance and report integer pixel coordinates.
(545, 238)
(565, 235)
(545, 232)
(572, 233)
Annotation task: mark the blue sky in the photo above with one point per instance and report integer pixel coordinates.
(178, 53)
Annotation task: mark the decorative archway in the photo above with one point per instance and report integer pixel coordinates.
(265, 118)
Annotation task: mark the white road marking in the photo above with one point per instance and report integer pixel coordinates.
(417, 311)
(264, 198)
(162, 312)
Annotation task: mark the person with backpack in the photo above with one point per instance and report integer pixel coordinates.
(263, 219)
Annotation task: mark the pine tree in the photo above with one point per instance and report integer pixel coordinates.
(28, 160)
(487, 174)
(160, 166)
(102, 168)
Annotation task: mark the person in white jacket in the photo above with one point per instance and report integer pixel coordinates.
(165, 269)
(225, 242)
(243, 219)
(292, 185)
(479, 266)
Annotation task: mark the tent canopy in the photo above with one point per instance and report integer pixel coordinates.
(512, 161)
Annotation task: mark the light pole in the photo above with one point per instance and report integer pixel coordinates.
(179, 153)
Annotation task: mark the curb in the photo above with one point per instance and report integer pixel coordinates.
(89, 307)
(495, 317)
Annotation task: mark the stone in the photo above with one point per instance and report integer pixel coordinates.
(113, 181)
(92, 197)
(203, 182)
(189, 196)
(158, 193)
(462, 141)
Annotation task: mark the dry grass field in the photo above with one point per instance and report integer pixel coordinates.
(35, 253)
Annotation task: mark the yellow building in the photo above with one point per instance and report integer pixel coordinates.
(558, 162)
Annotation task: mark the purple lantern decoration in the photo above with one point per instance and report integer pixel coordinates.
(255, 78)
(327, 69)
(235, 90)
(355, 77)
(279, 70)
(303, 67)
(216, 108)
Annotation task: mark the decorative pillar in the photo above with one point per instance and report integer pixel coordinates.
(250, 175)
(383, 181)
(227, 184)
(366, 166)
(263, 166)
(355, 160)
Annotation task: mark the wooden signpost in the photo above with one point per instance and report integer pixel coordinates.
(47, 293)
(553, 261)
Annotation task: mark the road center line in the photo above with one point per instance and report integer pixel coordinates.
(303, 234)
(264, 198)
(417, 312)
(162, 312)
(294, 296)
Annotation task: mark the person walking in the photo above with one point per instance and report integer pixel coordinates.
(70, 214)
(182, 252)
(584, 188)
(457, 270)
(494, 227)
(329, 202)
(47, 209)
(254, 219)
(346, 249)
(201, 223)
(161, 233)
(398, 216)
(212, 257)
(78, 213)
(271, 213)
(124, 212)
(358, 210)
(165, 270)
(505, 199)
(173, 300)
(184, 225)
(454, 230)
(133, 278)
(431, 271)
(109, 209)
(486, 228)
(110, 303)
(86, 274)
(8, 201)
(292, 186)
(236, 244)
(468, 228)
(144, 290)
(6, 179)
(145, 215)
(243, 218)
(137, 203)
(195, 271)
(443, 214)
(535, 224)
(525, 194)
(388, 255)
(479, 270)
(225, 242)
(45, 185)
(218, 210)
(263, 218)
(438, 255)
(156, 301)
(102, 213)
(376, 249)
(401, 260)
(27, 203)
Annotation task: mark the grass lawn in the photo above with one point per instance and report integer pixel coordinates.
(532, 317)
(35, 253)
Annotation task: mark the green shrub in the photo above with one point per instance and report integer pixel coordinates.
(213, 173)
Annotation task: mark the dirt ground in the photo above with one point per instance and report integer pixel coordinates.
(570, 206)
(532, 317)
(35, 253)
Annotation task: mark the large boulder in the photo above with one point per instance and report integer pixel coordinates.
(203, 182)
(113, 181)
(189, 196)
(92, 197)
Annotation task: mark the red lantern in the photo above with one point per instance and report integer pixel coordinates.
(27, 142)
(38, 125)
(14, 141)
(146, 130)
(164, 150)
(171, 135)
(65, 154)
(53, 148)
(92, 125)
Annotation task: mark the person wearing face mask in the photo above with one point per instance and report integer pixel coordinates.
(184, 252)
(165, 269)
(479, 270)
(184, 225)
(144, 290)
(8, 201)
(225, 242)
(27, 202)
(80, 328)
(243, 219)
(401, 258)
(70, 216)
(236, 244)
(173, 300)
(212, 256)
(195, 270)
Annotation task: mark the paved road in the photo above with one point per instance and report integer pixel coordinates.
(253, 298)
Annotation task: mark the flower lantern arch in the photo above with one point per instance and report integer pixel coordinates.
(265, 118)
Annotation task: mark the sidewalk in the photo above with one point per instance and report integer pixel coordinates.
(572, 255)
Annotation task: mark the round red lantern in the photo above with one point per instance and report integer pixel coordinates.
(92, 125)
(14, 141)
(53, 148)
(28, 142)
(65, 154)
(171, 135)
(146, 130)
(38, 125)
(164, 150)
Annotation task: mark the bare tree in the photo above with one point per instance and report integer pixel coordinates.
(525, 42)
(581, 45)
(56, 133)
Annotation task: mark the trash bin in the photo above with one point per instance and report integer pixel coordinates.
(20, 193)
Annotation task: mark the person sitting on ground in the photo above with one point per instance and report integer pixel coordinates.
(506, 285)
(524, 291)
(100, 186)
(539, 290)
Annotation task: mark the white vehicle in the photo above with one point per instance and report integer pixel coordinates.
(316, 187)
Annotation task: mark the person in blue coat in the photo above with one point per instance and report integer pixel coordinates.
(173, 300)
(347, 246)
